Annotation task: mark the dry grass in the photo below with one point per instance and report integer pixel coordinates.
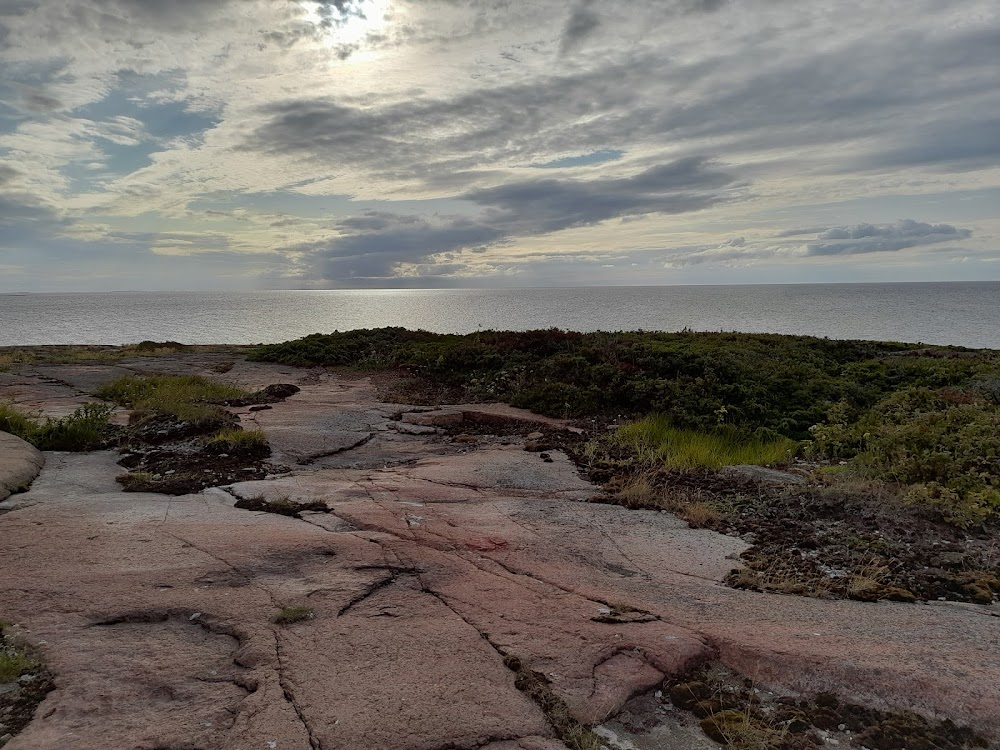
(237, 440)
(692, 505)
(189, 398)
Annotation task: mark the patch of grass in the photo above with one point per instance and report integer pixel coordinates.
(14, 661)
(189, 398)
(69, 354)
(640, 492)
(87, 428)
(290, 615)
(238, 440)
(656, 442)
(741, 730)
(17, 422)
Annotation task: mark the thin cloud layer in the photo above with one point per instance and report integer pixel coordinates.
(325, 143)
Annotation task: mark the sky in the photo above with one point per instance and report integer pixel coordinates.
(314, 144)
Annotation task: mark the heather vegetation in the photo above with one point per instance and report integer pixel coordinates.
(923, 418)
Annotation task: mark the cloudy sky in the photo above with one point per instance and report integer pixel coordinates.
(219, 144)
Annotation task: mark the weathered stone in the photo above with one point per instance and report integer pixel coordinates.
(20, 463)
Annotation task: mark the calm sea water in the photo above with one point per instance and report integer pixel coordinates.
(966, 314)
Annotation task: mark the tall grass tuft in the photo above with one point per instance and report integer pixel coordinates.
(190, 398)
(655, 441)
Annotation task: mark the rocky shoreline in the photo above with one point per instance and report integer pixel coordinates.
(456, 589)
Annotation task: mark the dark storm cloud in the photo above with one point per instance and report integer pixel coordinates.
(872, 238)
(374, 243)
(543, 206)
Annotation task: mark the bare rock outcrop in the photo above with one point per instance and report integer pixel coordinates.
(20, 463)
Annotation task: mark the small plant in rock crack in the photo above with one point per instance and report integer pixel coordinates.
(237, 441)
(291, 615)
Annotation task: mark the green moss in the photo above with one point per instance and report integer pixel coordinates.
(291, 615)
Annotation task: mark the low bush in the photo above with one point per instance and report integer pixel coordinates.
(943, 444)
(749, 381)
(87, 428)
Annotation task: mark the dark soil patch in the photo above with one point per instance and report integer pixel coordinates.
(739, 715)
(17, 705)
(859, 543)
(270, 395)
(173, 458)
(829, 540)
(283, 506)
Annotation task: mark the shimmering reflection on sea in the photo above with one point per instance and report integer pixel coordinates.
(961, 313)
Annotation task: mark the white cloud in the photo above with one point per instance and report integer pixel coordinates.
(131, 115)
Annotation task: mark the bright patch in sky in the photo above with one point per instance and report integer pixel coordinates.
(351, 26)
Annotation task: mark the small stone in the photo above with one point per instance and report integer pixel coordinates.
(537, 447)
(534, 436)
(260, 407)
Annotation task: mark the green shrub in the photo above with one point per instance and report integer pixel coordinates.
(782, 383)
(85, 429)
(16, 422)
(943, 444)
(14, 661)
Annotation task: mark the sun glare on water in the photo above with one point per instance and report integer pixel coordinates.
(364, 17)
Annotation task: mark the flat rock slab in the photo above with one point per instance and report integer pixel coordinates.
(412, 583)
(20, 463)
(483, 415)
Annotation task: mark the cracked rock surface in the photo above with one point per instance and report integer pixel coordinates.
(432, 562)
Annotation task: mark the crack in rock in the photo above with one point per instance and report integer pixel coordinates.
(376, 586)
(337, 451)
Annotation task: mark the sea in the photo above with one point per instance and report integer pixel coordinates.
(956, 313)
